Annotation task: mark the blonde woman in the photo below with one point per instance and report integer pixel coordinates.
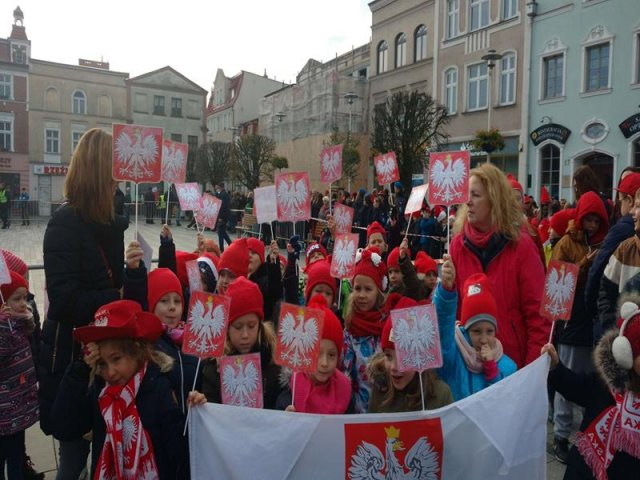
(491, 238)
(83, 263)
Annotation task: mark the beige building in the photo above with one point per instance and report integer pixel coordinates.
(64, 102)
(166, 98)
(327, 96)
(480, 93)
(233, 104)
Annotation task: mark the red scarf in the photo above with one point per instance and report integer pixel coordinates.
(364, 324)
(617, 429)
(127, 451)
(478, 238)
(331, 398)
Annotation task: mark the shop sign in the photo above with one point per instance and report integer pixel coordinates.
(630, 126)
(5, 162)
(550, 131)
(50, 170)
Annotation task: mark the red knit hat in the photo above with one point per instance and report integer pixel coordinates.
(246, 297)
(560, 220)
(375, 227)
(332, 328)
(478, 302)
(370, 264)
(236, 258)
(515, 185)
(120, 319)
(14, 262)
(17, 281)
(545, 198)
(256, 246)
(160, 282)
(393, 259)
(631, 311)
(181, 266)
(425, 264)
(319, 272)
(386, 339)
(315, 247)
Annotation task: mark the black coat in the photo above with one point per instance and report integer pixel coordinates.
(269, 279)
(225, 207)
(76, 411)
(83, 266)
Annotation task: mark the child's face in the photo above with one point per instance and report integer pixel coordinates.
(591, 223)
(224, 280)
(324, 290)
(243, 332)
(431, 280)
(169, 309)
(327, 362)
(377, 240)
(18, 300)
(482, 333)
(315, 256)
(254, 261)
(399, 380)
(395, 277)
(365, 293)
(114, 366)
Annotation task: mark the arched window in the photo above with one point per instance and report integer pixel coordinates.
(401, 50)
(420, 43)
(382, 56)
(550, 169)
(79, 103)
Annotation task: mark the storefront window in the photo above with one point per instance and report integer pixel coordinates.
(550, 169)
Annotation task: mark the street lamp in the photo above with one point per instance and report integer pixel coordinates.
(491, 58)
(280, 116)
(350, 98)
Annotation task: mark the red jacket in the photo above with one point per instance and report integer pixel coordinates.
(517, 279)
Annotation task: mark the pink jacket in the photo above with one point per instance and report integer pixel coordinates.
(517, 278)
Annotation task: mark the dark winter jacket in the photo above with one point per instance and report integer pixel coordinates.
(622, 230)
(76, 412)
(271, 386)
(83, 266)
(592, 391)
(225, 207)
(269, 278)
(291, 279)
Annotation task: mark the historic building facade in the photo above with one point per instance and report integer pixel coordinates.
(585, 92)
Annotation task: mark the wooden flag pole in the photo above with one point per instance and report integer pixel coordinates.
(421, 389)
(293, 390)
(331, 183)
(448, 229)
(271, 227)
(136, 236)
(408, 226)
(166, 220)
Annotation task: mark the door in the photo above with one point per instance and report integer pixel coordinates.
(44, 195)
(602, 164)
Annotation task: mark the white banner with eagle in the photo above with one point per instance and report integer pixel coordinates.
(499, 432)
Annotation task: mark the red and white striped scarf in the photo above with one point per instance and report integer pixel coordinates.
(617, 429)
(127, 452)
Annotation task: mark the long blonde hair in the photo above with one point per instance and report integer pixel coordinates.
(89, 186)
(506, 214)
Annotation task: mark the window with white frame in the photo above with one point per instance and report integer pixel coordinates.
(477, 83)
(6, 134)
(5, 85)
(451, 90)
(453, 18)
(553, 81)
(508, 79)
(479, 14)
(550, 169)
(420, 44)
(176, 107)
(79, 106)
(76, 135)
(401, 50)
(382, 56)
(597, 67)
(52, 140)
(509, 9)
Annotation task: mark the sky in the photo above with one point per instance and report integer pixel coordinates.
(195, 37)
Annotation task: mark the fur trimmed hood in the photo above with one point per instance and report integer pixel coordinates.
(616, 377)
(377, 373)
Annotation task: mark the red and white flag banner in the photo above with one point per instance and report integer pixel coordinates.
(137, 153)
(206, 328)
(449, 177)
(241, 380)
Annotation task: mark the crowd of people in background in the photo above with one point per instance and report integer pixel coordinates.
(109, 349)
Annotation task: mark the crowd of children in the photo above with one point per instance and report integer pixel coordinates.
(132, 385)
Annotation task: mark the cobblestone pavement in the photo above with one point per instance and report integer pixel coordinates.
(26, 241)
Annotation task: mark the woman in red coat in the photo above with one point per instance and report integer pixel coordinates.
(489, 240)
